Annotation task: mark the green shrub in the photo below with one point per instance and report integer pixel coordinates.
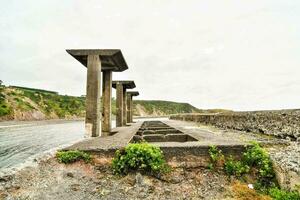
(255, 156)
(139, 156)
(279, 194)
(237, 168)
(72, 156)
(216, 156)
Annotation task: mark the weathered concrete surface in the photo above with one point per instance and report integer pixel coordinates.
(119, 104)
(106, 102)
(130, 94)
(124, 107)
(108, 144)
(129, 108)
(281, 123)
(112, 59)
(93, 117)
(96, 60)
(121, 86)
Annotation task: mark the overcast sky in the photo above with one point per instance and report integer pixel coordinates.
(242, 55)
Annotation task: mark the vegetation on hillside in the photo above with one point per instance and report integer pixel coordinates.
(156, 107)
(5, 109)
(23, 99)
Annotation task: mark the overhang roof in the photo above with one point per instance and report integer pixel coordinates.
(133, 93)
(128, 84)
(111, 59)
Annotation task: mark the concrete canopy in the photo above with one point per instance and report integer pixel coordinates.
(111, 59)
(126, 84)
(133, 93)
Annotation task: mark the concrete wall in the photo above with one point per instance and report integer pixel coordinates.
(281, 123)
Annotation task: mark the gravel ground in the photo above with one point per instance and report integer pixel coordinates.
(52, 180)
(287, 157)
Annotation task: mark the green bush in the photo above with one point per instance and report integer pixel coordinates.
(279, 194)
(139, 156)
(255, 156)
(72, 156)
(237, 168)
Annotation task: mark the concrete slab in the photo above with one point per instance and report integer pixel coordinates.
(111, 59)
(108, 144)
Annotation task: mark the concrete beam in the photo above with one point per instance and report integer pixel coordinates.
(106, 102)
(93, 117)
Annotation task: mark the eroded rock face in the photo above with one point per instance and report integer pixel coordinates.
(281, 123)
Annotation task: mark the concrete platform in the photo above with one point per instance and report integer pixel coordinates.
(108, 144)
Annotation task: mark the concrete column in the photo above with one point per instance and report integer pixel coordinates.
(106, 99)
(128, 108)
(131, 109)
(93, 116)
(124, 107)
(119, 104)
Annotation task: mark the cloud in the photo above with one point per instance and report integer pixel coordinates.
(226, 54)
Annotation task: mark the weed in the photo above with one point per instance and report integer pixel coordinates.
(216, 156)
(72, 156)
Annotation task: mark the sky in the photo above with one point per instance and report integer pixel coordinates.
(231, 54)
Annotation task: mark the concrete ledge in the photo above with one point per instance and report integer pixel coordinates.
(108, 144)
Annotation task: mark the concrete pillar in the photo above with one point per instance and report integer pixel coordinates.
(131, 109)
(128, 108)
(124, 107)
(93, 116)
(106, 99)
(119, 104)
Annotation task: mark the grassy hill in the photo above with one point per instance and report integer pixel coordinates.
(158, 108)
(21, 103)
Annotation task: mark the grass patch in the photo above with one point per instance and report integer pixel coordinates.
(279, 194)
(139, 157)
(243, 192)
(72, 156)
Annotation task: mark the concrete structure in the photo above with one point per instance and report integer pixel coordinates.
(121, 103)
(97, 60)
(130, 94)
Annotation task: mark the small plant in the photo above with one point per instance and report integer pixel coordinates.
(237, 168)
(255, 156)
(216, 156)
(279, 194)
(139, 156)
(72, 156)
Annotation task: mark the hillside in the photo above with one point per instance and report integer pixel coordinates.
(21, 103)
(161, 108)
